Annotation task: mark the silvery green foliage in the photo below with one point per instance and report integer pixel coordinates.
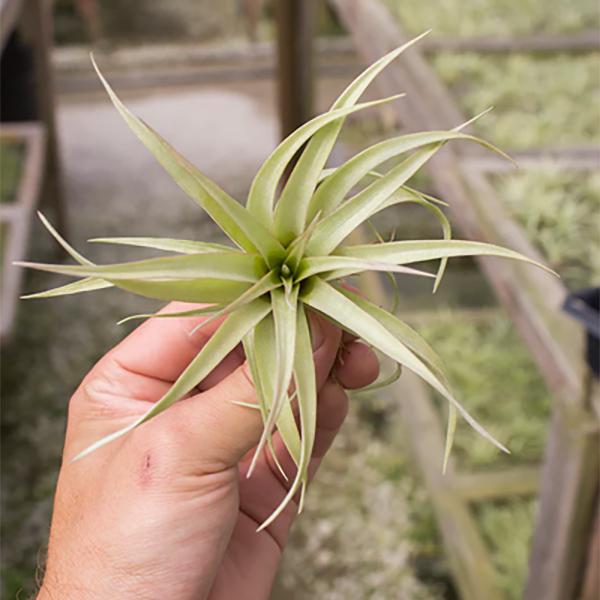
(287, 258)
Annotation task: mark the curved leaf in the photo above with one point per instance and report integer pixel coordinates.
(403, 332)
(89, 284)
(169, 245)
(402, 253)
(202, 291)
(291, 211)
(223, 341)
(329, 301)
(306, 389)
(223, 265)
(243, 229)
(284, 316)
(322, 264)
(333, 229)
(264, 185)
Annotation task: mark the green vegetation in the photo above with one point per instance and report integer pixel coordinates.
(494, 374)
(561, 214)
(507, 528)
(496, 17)
(11, 164)
(538, 101)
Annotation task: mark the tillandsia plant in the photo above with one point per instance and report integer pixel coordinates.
(289, 259)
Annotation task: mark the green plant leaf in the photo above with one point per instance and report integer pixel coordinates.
(169, 245)
(321, 264)
(403, 332)
(326, 299)
(332, 191)
(284, 316)
(410, 195)
(248, 344)
(82, 260)
(306, 389)
(450, 431)
(195, 312)
(243, 229)
(223, 341)
(406, 252)
(291, 211)
(267, 283)
(232, 266)
(88, 284)
(333, 229)
(264, 186)
(201, 291)
(264, 351)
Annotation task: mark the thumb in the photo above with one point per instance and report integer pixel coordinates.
(221, 430)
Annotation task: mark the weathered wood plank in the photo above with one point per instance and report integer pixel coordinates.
(584, 41)
(569, 487)
(18, 217)
(577, 158)
(489, 485)
(37, 26)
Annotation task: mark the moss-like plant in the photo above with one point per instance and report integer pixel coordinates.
(289, 259)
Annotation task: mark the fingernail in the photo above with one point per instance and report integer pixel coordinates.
(317, 334)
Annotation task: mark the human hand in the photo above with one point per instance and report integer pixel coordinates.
(167, 511)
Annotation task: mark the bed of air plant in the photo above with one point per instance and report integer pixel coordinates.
(536, 98)
(561, 216)
(290, 257)
(496, 17)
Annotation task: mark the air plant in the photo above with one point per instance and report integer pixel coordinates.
(289, 260)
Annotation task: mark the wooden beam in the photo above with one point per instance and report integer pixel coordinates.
(295, 31)
(585, 41)
(491, 485)
(9, 16)
(18, 216)
(577, 158)
(37, 27)
(569, 487)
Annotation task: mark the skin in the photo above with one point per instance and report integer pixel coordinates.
(167, 510)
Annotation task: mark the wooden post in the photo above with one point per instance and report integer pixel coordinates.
(37, 23)
(295, 30)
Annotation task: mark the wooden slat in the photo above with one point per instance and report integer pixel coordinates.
(584, 41)
(578, 158)
(490, 485)
(18, 217)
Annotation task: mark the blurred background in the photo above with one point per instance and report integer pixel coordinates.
(223, 82)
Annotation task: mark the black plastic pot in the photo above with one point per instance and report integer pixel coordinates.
(584, 306)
